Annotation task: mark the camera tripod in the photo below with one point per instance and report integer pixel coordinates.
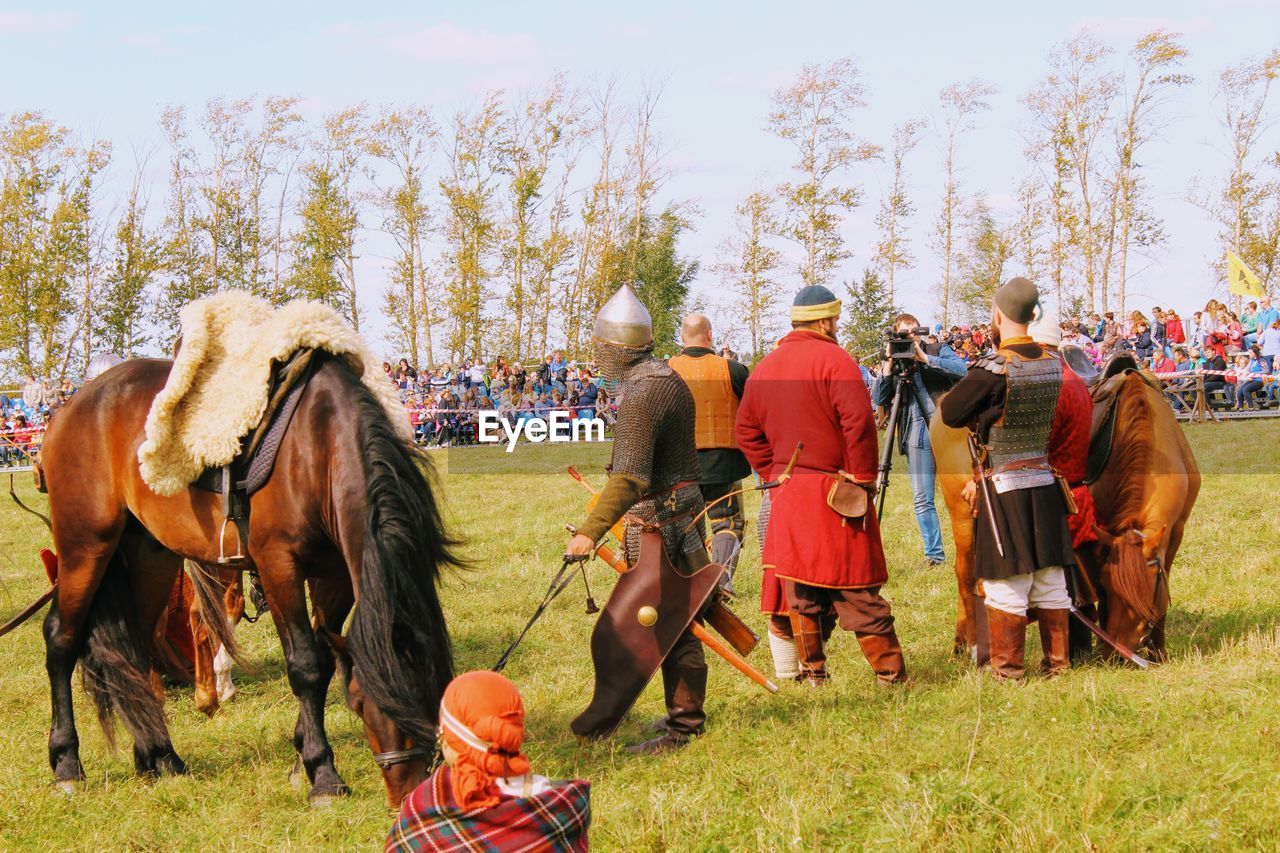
(903, 378)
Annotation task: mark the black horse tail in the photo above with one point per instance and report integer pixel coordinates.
(114, 665)
(398, 641)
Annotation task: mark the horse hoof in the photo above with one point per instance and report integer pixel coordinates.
(322, 801)
(225, 696)
(327, 792)
(170, 764)
(297, 774)
(66, 787)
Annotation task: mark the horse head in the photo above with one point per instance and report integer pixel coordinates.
(1135, 585)
(404, 764)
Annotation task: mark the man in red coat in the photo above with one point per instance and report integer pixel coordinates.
(810, 390)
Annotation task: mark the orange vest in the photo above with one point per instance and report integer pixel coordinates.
(715, 404)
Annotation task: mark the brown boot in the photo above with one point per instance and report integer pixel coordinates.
(884, 653)
(1008, 644)
(807, 631)
(1055, 634)
(686, 689)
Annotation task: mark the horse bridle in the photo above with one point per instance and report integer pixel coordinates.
(389, 759)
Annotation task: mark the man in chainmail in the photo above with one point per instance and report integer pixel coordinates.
(653, 481)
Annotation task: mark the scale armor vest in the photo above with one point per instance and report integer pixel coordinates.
(653, 441)
(715, 404)
(1031, 398)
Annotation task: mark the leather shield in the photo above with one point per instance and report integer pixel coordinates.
(624, 651)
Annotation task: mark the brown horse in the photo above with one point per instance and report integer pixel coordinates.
(1143, 498)
(348, 511)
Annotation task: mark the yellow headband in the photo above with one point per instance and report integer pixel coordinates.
(809, 313)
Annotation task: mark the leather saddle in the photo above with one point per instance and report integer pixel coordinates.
(1105, 391)
(251, 469)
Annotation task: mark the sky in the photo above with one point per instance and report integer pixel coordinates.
(107, 69)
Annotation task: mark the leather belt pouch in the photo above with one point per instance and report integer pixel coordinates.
(847, 498)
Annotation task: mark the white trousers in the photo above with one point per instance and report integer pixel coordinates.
(1045, 589)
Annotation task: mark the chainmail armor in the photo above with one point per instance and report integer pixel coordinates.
(1030, 402)
(653, 441)
(614, 360)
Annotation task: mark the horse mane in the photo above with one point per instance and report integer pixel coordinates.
(1131, 457)
(398, 641)
(1126, 564)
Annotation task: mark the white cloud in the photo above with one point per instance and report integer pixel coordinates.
(444, 43)
(23, 22)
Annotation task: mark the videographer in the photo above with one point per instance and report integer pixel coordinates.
(926, 372)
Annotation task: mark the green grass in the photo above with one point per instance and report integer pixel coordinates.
(1182, 756)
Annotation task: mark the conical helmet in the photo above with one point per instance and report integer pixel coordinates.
(624, 321)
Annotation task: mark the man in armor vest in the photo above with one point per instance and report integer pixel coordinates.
(1009, 401)
(653, 483)
(717, 384)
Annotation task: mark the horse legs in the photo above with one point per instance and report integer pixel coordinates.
(331, 602)
(61, 647)
(233, 600)
(153, 569)
(206, 691)
(80, 572)
(213, 685)
(966, 637)
(310, 666)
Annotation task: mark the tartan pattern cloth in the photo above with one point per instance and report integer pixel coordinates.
(431, 820)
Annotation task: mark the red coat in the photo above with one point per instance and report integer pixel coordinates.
(1069, 451)
(811, 390)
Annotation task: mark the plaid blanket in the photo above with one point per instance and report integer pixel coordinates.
(431, 820)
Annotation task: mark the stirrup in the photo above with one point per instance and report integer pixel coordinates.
(238, 557)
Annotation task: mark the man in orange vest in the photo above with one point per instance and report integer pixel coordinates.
(717, 384)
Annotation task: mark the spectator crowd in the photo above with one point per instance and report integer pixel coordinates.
(1239, 353)
(444, 402)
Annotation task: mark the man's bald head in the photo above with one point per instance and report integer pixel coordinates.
(695, 331)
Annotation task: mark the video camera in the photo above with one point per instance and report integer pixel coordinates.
(902, 345)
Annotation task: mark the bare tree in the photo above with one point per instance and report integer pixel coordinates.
(1072, 106)
(1156, 57)
(960, 103)
(539, 133)
(1239, 206)
(892, 252)
(748, 267)
(404, 138)
(813, 114)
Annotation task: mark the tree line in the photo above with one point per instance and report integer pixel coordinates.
(512, 219)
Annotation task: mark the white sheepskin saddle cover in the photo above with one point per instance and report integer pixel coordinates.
(217, 390)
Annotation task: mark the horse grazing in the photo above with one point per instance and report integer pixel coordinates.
(1143, 494)
(1142, 497)
(347, 511)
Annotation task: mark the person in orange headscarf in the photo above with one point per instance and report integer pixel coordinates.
(484, 796)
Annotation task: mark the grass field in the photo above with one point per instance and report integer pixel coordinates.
(1184, 755)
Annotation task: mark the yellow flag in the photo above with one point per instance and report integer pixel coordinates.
(1240, 279)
